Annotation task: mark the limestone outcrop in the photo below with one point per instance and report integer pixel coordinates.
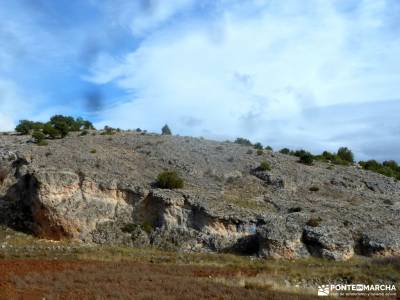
(66, 191)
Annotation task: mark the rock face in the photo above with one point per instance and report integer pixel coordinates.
(65, 190)
(330, 242)
(281, 237)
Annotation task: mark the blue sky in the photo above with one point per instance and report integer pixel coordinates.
(317, 74)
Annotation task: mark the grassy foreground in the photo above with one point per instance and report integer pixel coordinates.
(50, 266)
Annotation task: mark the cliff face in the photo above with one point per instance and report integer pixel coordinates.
(67, 190)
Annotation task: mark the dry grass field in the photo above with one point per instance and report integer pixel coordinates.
(39, 269)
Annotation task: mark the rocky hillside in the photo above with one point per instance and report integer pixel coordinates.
(102, 189)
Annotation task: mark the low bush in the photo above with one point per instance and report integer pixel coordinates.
(50, 131)
(294, 209)
(258, 146)
(108, 130)
(243, 141)
(260, 152)
(42, 143)
(388, 168)
(38, 136)
(264, 166)
(314, 222)
(306, 158)
(169, 180)
(299, 153)
(284, 151)
(314, 189)
(269, 148)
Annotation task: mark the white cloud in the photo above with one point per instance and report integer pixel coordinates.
(143, 16)
(254, 68)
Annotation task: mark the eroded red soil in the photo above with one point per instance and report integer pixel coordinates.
(52, 279)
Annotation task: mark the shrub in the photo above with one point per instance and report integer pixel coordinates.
(258, 146)
(169, 180)
(93, 151)
(338, 161)
(63, 124)
(294, 209)
(243, 141)
(24, 127)
(108, 130)
(300, 153)
(314, 222)
(371, 165)
(165, 130)
(284, 151)
(306, 158)
(249, 151)
(391, 164)
(264, 166)
(269, 148)
(85, 132)
(314, 189)
(326, 155)
(42, 143)
(387, 168)
(58, 126)
(49, 130)
(345, 154)
(260, 152)
(38, 136)
(84, 124)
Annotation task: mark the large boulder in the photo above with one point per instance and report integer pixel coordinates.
(328, 241)
(68, 205)
(381, 242)
(281, 237)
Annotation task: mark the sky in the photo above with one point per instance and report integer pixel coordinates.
(313, 74)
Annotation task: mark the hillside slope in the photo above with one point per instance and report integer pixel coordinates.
(100, 188)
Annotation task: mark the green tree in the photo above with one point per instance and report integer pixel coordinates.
(345, 154)
(49, 130)
(165, 130)
(258, 146)
(243, 141)
(306, 158)
(284, 151)
(38, 137)
(24, 127)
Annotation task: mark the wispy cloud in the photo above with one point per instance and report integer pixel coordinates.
(255, 68)
(315, 74)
